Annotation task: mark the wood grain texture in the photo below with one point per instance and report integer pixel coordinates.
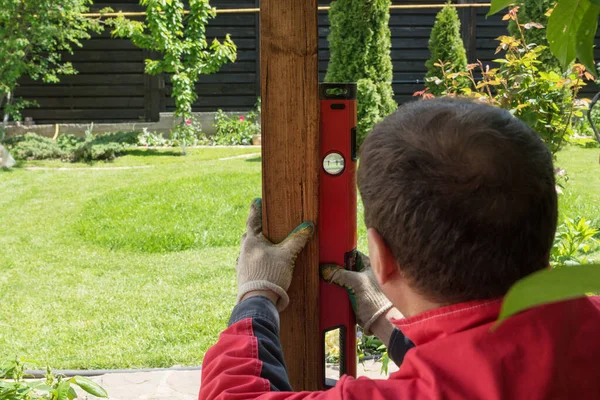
(290, 132)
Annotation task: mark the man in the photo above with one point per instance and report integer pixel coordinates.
(460, 203)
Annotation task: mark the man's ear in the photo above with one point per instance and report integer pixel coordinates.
(382, 261)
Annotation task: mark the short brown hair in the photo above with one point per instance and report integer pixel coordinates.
(464, 195)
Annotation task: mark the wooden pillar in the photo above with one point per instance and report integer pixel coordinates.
(468, 19)
(290, 144)
(153, 91)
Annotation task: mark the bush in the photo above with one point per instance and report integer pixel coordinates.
(574, 240)
(68, 143)
(153, 139)
(446, 45)
(535, 11)
(234, 130)
(96, 147)
(71, 148)
(359, 45)
(187, 133)
(34, 147)
(522, 87)
(15, 384)
(90, 150)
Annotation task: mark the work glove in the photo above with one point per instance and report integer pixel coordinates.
(368, 301)
(263, 265)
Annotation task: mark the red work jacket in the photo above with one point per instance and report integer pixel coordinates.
(547, 352)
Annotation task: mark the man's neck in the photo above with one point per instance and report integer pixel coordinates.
(411, 303)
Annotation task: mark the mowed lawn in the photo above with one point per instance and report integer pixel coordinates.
(132, 264)
(122, 268)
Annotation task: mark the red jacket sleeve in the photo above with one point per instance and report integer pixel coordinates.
(247, 363)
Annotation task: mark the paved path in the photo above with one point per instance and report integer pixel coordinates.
(176, 385)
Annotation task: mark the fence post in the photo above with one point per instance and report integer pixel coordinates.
(468, 18)
(153, 91)
(290, 144)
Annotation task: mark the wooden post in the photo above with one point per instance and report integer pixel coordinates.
(468, 19)
(152, 92)
(290, 144)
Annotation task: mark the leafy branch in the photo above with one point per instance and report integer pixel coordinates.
(571, 30)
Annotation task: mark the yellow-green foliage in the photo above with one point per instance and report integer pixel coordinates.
(535, 11)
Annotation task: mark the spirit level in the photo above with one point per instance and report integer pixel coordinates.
(337, 218)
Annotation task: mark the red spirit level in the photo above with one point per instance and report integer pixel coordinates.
(337, 218)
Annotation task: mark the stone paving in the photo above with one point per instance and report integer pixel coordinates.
(177, 385)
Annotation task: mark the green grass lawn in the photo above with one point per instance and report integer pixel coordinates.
(581, 195)
(122, 268)
(135, 267)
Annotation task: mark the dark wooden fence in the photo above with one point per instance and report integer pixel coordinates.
(111, 84)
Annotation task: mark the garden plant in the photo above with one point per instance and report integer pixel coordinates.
(15, 384)
(237, 129)
(571, 29)
(445, 44)
(536, 12)
(34, 35)
(522, 85)
(179, 36)
(359, 44)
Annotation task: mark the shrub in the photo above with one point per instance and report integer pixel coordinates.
(235, 130)
(359, 44)
(522, 87)
(445, 44)
(16, 385)
(535, 11)
(187, 133)
(89, 150)
(125, 138)
(573, 242)
(34, 147)
(96, 147)
(68, 143)
(71, 148)
(152, 139)
(103, 147)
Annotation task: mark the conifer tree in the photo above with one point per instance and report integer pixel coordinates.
(445, 44)
(359, 45)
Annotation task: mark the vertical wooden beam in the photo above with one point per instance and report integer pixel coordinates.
(290, 144)
(152, 92)
(257, 47)
(468, 20)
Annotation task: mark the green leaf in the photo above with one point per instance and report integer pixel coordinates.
(585, 38)
(595, 2)
(563, 27)
(62, 390)
(549, 286)
(72, 394)
(89, 386)
(498, 5)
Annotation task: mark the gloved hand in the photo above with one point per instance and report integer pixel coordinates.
(263, 265)
(368, 301)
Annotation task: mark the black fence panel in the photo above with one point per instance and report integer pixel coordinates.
(111, 84)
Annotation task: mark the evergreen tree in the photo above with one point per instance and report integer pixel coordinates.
(445, 44)
(535, 11)
(359, 45)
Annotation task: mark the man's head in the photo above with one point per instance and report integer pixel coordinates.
(463, 196)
